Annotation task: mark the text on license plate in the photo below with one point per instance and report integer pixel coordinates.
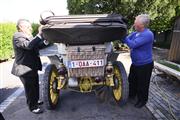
(85, 63)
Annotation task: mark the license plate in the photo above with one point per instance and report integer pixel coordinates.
(85, 63)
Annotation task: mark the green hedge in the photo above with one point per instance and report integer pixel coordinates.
(35, 27)
(6, 33)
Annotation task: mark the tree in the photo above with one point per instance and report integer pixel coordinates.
(162, 12)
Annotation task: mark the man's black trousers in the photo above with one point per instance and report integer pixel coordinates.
(31, 87)
(139, 80)
(1, 116)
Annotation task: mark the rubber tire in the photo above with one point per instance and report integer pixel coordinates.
(125, 84)
(46, 87)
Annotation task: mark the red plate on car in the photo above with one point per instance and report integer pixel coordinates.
(85, 63)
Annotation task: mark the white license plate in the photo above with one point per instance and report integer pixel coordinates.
(85, 63)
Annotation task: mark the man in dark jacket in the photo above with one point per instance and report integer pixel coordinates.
(27, 62)
(140, 42)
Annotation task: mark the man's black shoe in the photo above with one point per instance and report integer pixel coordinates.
(132, 100)
(37, 110)
(40, 102)
(139, 104)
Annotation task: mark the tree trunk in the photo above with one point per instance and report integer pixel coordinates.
(174, 54)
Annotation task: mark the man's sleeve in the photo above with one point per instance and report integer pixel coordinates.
(139, 41)
(25, 43)
(128, 37)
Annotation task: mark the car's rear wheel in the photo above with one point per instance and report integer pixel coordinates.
(120, 90)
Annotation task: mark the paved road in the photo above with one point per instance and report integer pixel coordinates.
(78, 106)
(8, 82)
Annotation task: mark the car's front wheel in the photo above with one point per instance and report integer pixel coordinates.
(50, 85)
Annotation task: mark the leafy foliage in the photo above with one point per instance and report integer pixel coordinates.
(35, 27)
(162, 12)
(6, 32)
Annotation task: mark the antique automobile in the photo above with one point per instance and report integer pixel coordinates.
(82, 57)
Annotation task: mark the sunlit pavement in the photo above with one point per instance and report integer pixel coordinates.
(8, 82)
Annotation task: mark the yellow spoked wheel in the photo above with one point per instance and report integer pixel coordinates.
(120, 90)
(118, 85)
(50, 85)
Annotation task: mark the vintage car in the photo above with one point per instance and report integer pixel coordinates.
(82, 57)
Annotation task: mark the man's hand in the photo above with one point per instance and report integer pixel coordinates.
(124, 38)
(40, 29)
(40, 34)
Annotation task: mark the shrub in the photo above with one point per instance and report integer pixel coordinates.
(35, 28)
(6, 32)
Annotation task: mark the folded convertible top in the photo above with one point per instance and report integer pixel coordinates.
(84, 29)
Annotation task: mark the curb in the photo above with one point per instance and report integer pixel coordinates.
(167, 70)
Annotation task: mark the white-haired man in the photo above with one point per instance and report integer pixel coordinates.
(27, 62)
(140, 43)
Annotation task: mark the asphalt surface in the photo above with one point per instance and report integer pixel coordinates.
(78, 106)
(8, 82)
(6, 92)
